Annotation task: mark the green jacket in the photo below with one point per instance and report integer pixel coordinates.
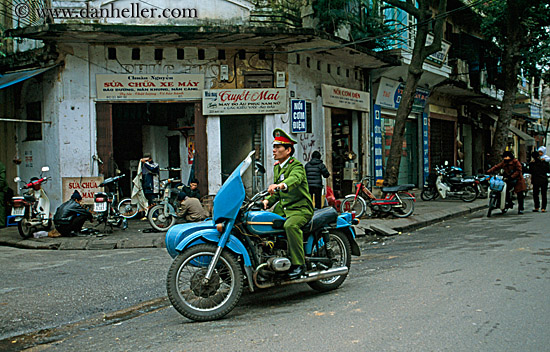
(296, 200)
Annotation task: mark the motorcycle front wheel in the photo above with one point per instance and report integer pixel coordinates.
(407, 206)
(339, 243)
(127, 209)
(25, 228)
(429, 193)
(159, 219)
(469, 194)
(350, 203)
(199, 299)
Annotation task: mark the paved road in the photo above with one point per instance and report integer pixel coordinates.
(470, 284)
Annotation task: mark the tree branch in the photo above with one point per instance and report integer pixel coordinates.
(438, 31)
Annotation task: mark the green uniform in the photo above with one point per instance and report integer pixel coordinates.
(294, 204)
(3, 189)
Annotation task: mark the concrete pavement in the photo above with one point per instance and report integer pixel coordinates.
(137, 235)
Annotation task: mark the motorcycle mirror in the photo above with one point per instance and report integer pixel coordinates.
(45, 168)
(259, 167)
(17, 179)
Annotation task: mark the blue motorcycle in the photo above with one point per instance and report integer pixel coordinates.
(245, 245)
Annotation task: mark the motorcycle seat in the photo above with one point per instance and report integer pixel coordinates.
(405, 187)
(29, 199)
(320, 219)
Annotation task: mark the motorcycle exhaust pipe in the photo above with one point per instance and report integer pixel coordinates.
(311, 276)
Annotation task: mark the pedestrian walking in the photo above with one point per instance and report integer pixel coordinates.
(315, 171)
(538, 168)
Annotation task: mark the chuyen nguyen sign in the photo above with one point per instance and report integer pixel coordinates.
(149, 87)
(244, 101)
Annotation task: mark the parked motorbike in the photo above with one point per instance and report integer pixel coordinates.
(106, 212)
(447, 183)
(395, 200)
(497, 195)
(244, 245)
(482, 185)
(33, 208)
(164, 215)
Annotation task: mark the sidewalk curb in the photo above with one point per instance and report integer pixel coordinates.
(420, 221)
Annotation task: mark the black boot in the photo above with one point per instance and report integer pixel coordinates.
(296, 271)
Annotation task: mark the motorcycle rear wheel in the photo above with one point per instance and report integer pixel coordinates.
(429, 193)
(342, 252)
(24, 227)
(350, 203)
(470, 194)
(127, 209)
(407, 206)
(160, 220)
(196, 299)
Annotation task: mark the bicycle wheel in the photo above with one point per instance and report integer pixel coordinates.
(128, 209)
(407, 205)
(350, 203)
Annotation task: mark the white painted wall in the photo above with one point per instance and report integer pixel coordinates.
(213, 134)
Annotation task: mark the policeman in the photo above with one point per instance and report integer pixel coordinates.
(294, 201)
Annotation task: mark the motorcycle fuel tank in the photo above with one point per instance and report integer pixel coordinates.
(261, 223)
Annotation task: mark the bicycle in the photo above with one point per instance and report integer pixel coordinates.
(396, 200)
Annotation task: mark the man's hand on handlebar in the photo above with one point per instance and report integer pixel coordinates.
(276, 187)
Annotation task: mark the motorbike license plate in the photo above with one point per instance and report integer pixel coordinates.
(18, 211)
(98, 207)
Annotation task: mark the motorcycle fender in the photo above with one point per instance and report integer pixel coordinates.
(213, 236)
(345, 227)
(171, 210)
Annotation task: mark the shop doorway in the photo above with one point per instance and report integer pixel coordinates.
(408, 166)
(442, 142)
(346, 154)
(240, 134)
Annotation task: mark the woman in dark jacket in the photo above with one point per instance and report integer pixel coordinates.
(538, 169)
(314, 170)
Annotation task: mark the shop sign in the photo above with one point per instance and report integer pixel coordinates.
(149, 86)
(86, 186)
(378, 167)
(390, 91)
(339, 97)
(425, 147)
(244, 101)
(298, 116)
(439, 57)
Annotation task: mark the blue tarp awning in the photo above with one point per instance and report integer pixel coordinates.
(8, 79)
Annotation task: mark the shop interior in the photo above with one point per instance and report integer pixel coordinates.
(162, 129)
